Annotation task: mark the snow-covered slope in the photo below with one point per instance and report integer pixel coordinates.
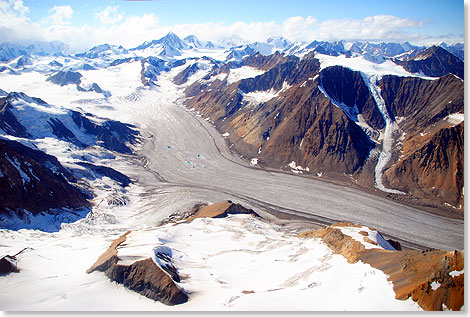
(254, 266)
(42, 121)
(233, 263)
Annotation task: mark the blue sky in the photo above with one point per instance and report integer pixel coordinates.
(79, 22)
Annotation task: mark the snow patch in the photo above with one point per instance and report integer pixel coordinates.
(314, 77)
(435, 285)
(455, 118)
(456, 273)
(373, 235)
(243, 72)
(254, 98)
(257, 97)
(297, 169)
(362, 65)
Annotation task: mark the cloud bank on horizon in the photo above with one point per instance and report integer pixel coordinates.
(113, 25)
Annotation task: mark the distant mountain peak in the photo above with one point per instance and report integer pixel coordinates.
(169, 45)
(192, 41)
(102, 50)
(434, 61)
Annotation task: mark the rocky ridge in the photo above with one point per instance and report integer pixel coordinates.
(327, 120)
(35, 183)
(435, 61)
(429, 277)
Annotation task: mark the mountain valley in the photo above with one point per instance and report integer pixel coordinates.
(196, 164)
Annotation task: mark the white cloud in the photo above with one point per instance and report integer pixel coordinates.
(59, 14)
(14, 7)
(299, 28)
(131, 32)
(15, 25)
(371, 28)
(13, 13)
(112, 27)
(109, 15)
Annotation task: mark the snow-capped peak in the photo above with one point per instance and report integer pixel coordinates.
(192, 41)
(170, 45)
(103, 50)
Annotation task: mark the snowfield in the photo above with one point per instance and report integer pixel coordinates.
(235, 263)
(361, 64)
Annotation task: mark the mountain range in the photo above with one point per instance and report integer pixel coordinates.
(171, 45)
(305, 134)
(330, 120)
(282, 103)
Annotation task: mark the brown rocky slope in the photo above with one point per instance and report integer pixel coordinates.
(412, 272)
(434, 169)
(300, 125)
(431, 163)
(338, 132)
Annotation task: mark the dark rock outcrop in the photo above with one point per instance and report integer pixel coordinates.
(146, 278)
(120, 61)
(35, 181)
(8, 121)
(143, 277)
(87, 67)
(63, 78)
(183, 76)
(113, 135)
(55, 64)
(346, 86)
(122, 179)
(265, 62)
(8, 265)
(291, 72)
